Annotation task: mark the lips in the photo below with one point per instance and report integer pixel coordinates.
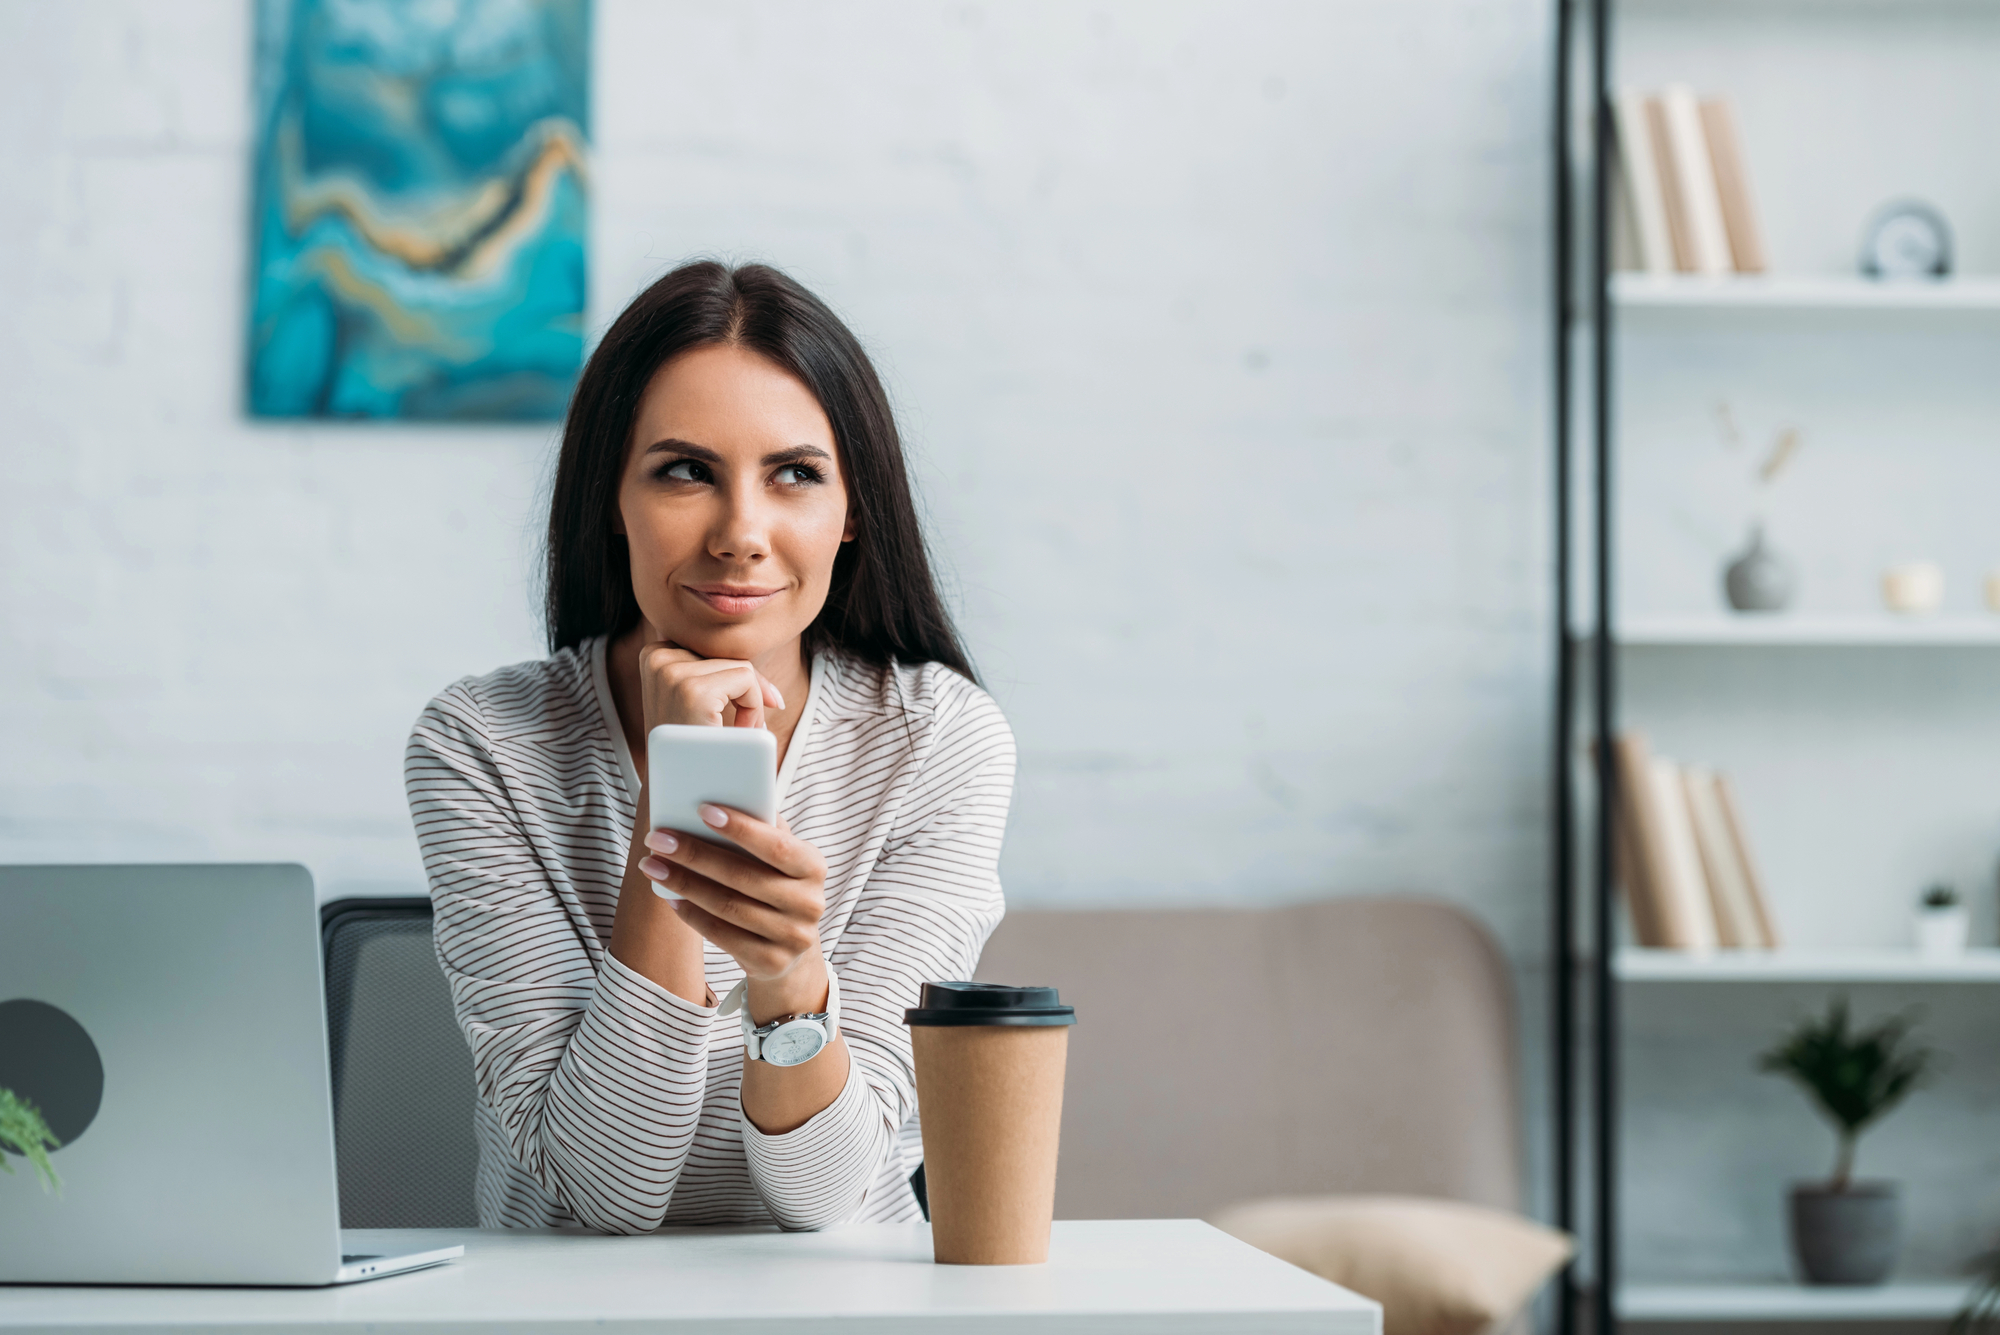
(732, 599)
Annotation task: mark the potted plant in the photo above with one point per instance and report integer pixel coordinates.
(1943, 923)
(23, 1131)
(1845, 1231)
(1981, 1312)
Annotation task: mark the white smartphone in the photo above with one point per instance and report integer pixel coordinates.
(687, 766)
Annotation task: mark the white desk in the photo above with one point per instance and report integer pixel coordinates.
(1153, 1275)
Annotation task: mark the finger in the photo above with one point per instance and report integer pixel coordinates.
(749, 701)
(726, 681)
(796, 896)
(753, 952)
(787, 933)
(777, 848)
(662, 652)
(747, 688)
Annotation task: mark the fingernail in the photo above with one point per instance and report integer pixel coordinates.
(779, 696)
(662, 842)
(654, 868)
(714, 815)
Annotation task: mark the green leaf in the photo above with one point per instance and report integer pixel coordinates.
(1981, 1313)
(1854, 1076)
(23, 1131)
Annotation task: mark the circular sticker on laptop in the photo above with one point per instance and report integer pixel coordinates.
(47, 1059)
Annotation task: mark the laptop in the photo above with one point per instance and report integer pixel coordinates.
(170, 1024)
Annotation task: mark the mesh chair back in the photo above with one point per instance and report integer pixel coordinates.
(402, 1077)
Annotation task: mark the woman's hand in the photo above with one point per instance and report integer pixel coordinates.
(762, 905)
(674, 686)
(677, 687)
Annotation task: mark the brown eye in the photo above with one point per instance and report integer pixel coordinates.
(684, 470)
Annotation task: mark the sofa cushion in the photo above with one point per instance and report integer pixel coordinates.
(1437, 1267)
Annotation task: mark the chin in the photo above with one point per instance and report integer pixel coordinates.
(739, 641)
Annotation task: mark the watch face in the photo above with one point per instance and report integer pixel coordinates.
(799, 1041)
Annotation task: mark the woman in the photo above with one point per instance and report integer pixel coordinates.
(731, 543)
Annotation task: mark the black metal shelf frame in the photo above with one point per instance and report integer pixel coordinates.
(1599, 998)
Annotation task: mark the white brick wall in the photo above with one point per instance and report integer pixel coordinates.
(1218, 332)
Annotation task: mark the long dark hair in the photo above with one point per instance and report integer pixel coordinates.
(882, 606)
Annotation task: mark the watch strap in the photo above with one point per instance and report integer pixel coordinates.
(738, 1002)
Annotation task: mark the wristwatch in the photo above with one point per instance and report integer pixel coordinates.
(789, 1040)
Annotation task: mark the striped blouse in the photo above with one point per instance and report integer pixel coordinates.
(608, 1102)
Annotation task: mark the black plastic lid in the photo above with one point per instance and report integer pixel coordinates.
(989, 1003)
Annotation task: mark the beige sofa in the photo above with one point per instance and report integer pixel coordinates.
(1355, 1046)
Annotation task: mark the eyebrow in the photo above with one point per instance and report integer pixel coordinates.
(693, 451)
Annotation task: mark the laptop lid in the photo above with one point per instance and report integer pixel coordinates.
(170, 1021)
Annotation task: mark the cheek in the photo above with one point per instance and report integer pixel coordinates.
(816, 542)
(655, 540)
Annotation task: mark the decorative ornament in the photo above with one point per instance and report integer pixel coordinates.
(1760, 580)
(1907, 239)
(1914, 587)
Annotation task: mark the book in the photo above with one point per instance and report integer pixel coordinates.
(1679, 240)
(1685, 900)
(1641, 902)
(1736, 920)
(1668, 901)
(1767, 925)
(1633, 839)
(1690, 175)
(1639, 185)
(1732, 185)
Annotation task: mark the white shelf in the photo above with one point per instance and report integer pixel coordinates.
(1642, 294)
(1787, 628)
(1805, 966)
(1935, 1301)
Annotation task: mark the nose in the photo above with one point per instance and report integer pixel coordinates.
(742, 530)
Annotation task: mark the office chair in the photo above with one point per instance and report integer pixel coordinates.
(402, 1077)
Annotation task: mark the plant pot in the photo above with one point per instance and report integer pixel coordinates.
(1943, 931)
(1846, 1237)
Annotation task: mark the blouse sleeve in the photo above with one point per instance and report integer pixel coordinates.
(596, 1075)
(929, 904)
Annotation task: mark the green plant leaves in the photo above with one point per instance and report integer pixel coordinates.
(23, 1131)
(1855, 1076)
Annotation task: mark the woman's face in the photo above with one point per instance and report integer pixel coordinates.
(732, 502)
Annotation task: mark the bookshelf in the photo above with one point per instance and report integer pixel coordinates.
(1788, 1303)
(1718, 630)
(1979, 965)
(1635, 294)
(1887, 111)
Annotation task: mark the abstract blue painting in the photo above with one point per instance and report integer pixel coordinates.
(419, 208)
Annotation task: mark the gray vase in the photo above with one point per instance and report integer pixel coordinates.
(1846, 1237)
(1759, 580)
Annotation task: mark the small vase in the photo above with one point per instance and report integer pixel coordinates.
(1943, 932)
(1759, 580)
(1846, 1237)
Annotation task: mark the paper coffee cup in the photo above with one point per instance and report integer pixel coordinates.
(989, 1061)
